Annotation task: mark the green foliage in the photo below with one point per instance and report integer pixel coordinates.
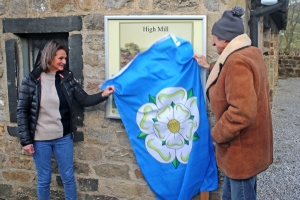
(132, 48)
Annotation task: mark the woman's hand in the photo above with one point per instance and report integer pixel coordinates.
(29, 149)
(201, 60)
(108, 91)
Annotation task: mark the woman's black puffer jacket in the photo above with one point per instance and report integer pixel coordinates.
(29, 101)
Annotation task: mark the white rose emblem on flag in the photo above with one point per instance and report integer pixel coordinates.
(168, 124)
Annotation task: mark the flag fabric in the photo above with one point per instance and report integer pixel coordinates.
(160, 100)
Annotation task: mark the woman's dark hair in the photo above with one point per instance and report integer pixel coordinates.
(49, 52)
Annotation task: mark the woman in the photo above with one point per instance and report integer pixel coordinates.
(46, 118)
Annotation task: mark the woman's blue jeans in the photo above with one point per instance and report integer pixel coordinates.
(239, 189)
(63, 153)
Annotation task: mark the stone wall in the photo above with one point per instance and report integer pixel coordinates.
(271, 50)
(289, 65)
(105, 165)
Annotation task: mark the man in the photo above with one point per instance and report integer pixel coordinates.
(238, 91)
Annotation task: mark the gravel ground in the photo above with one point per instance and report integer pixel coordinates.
(281, 181)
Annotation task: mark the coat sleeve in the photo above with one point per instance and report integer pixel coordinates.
(23, 113)
(83, 98)
(241, 98)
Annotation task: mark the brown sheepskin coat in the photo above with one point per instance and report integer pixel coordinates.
(238, 91)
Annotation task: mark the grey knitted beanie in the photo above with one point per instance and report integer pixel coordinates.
(230, 25)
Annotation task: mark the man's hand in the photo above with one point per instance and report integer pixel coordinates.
(201, 60)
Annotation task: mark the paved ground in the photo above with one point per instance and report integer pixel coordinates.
(281, 181)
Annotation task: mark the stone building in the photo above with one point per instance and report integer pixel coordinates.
(105, 165)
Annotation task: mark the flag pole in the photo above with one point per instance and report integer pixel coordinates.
(204, 195)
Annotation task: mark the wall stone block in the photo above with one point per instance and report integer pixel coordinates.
(290, 72)
(2, 113)
(93, 86)
(54, 166)
(96, 137)
(281, 73)
(26, 193)
(13, 131)
(129, 189)
(212, 5)
(45, 25)
(297, 72)
(17, 7)
(267, 44)
(93, 116)
(2, 160)
(62, 5)
(88, 184)
(288, 65)
(116, 4)
(95, 42)
(13, 147)
(5, 191)
(138, 174)
(3, 4)
(88, 5)
(98, 197)
(78, 136)
(38, 5)
(112, 170)
(285, 62)
(175, 5)
(2, 130)
(2, 143)
(297, 58)
(143, 3)
(57, 194)
(94, 22)
(292, 62)
(88, 153)
(95, 72)
(16, 176)
(81, 168)
(117, 153)
(22, 163)
(122, 138)
(59, 181)
(90, 59)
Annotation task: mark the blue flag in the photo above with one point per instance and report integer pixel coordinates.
(161, 103)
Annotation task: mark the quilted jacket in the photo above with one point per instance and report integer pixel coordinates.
(29, 101)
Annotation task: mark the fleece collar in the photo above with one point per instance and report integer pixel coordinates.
(237, 43)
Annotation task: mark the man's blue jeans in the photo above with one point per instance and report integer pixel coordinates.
(239, 189)
(63, 153)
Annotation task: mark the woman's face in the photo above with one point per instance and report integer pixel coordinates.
(59, 61)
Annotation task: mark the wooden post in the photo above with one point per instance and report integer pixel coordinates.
(204, 195)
